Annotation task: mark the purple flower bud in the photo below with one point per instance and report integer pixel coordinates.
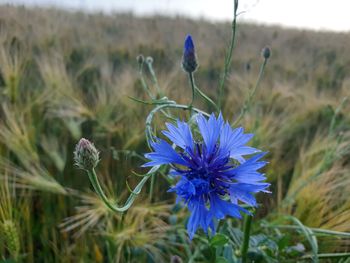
(189, 59)
(86, 156)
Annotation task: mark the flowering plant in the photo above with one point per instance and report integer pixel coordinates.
(213, 172)
(217, 173)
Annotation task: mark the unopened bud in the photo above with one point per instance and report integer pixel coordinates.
(266, 52)
(189, 59)
(149, 60)
(86, 156)
(140, 59)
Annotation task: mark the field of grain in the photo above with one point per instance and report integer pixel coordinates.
(67, 75)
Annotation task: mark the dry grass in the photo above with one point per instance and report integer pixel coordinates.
(66, 75)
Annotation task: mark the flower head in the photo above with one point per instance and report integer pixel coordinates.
(214, 175)
(86, 156)
(189, 59)
(266, 52)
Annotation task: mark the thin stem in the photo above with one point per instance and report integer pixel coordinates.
(193, 87)
(246, 237)
(154, 78)
(149, 137)
(149, 119)
(228, 57)
(328, 255)
(315, 230)
(201, 93)
(146, 88)
(248, 101)
(144, 83)
(98, 189)
(151, 188)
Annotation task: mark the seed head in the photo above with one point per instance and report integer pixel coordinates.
(140, 59)
(11, 237)
(266, 52)
(175, 259)
(189, 59)
(149, 60)
(86, 156)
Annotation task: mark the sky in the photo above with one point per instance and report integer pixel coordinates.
(310, 14)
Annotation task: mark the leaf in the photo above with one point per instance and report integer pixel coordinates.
(218, 240)
(309, 236)
(221, 260)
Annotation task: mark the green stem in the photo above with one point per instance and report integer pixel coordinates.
(329, 255)
(228, 57)
(154, 78)
(201, 93)
(97, 187)
(149, 135)
(315, 230)
(149, 119)
(193, 87)
(246, 237)
(143, 82)
(151, 189)
(248, 101)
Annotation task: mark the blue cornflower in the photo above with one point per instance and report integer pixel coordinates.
(214, 175)
(189, 59)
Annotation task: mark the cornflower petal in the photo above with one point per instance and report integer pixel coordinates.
(180, 135)
(163, 154)
(243, 192)
(210, 130)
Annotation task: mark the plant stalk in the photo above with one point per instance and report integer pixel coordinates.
(246, 237)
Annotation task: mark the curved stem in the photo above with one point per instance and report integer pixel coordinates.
(149, 137)
(97, 187)
(149, 119)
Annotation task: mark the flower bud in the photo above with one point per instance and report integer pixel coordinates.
(266, 52)
(86, 156)
(189, 59)
(140, 59)
(149, 60)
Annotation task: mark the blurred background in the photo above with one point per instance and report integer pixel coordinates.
(67, 70)
(312, 14)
